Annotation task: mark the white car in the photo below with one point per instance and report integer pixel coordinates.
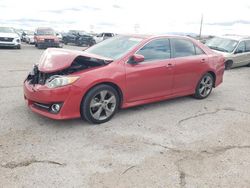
(29, 37)
(9, 38)
(60, 37)
(103, 36)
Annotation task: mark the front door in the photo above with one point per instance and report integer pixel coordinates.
(240, 55)
(154, 76)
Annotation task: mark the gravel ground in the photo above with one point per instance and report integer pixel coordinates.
(176, 143)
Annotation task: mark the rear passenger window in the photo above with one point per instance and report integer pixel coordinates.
(198, 51)
(247, 45)
(156, 50)
(108, 35)
(183, 48)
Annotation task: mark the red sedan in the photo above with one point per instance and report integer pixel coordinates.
(120, 72)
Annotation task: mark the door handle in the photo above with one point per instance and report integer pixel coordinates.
(203, 60)
(169, 65)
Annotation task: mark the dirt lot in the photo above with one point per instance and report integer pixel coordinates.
(177, 143)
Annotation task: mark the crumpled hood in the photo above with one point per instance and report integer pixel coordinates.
(54, 59)
(10, 35)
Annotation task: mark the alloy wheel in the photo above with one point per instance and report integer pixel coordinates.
(205, 86)
(102, 105)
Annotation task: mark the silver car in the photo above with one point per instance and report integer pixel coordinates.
(235, 49)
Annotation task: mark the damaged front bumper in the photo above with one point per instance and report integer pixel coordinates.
(43, 100)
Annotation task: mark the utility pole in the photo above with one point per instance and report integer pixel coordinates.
(201, 25)
(136, 27)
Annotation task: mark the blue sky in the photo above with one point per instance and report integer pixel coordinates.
(129, 16)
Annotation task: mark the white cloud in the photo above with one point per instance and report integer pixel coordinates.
(123, 16)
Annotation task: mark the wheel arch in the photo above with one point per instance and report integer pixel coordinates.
(214, 77)
(228, 62)
(112, 84)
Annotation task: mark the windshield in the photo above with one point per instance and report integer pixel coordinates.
(29, 32)
(77, 32)
(45, 32)
(115, 47)
(6, 30)
(222, 44)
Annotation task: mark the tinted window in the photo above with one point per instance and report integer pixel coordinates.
(247, 46)
(156, 49)
(183, 48)
(108, 35)
(241, 47)
(198, 51)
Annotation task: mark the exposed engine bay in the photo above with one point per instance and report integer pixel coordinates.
(79, 63)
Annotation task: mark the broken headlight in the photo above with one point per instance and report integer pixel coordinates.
(58, 81)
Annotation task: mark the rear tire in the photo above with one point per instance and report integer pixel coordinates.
(204, 86)
(92, 43)
(100, 104)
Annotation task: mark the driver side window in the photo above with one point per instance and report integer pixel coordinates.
(156, 50)
(241, 48)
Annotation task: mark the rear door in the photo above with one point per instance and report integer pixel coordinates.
(154, 76)
(190, 63)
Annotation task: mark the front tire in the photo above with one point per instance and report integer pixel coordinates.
(65, 41)
(100, 104)
(204, 87)
(39, 46)
(228, 65)
(18, 47)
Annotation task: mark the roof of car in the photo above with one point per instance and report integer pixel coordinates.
(139, 35)
(42, 28)
(235, 37)
(148, 36)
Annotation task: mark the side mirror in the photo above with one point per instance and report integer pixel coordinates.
(136, 58)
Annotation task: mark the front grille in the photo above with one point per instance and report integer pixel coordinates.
(37, 77)
(6, 39)
(6, 44)
(49, 40)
